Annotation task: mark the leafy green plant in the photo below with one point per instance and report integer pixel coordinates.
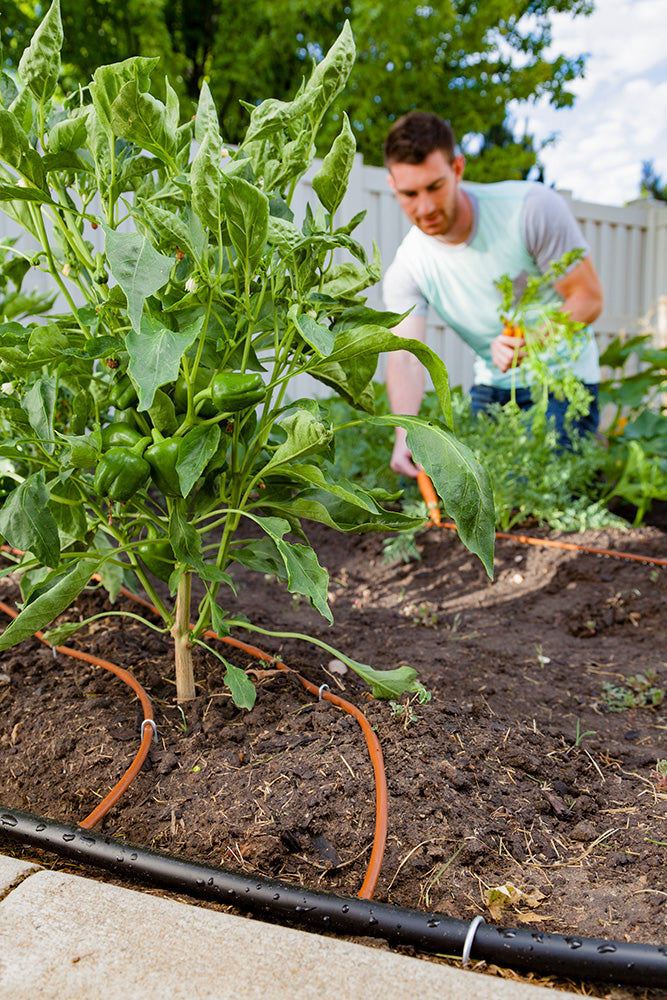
(552, 339)
(150, 425)
(639, 691)
(636, 466)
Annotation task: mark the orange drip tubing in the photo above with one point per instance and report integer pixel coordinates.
(434, 514)
(148, 727)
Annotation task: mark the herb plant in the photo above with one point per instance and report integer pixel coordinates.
(149, 424)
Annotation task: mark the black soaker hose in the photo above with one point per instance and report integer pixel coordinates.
(575, 957)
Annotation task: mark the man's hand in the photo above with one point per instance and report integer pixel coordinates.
(401, 458)
(507, 352)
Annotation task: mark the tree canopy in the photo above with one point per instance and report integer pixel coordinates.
(462, 59)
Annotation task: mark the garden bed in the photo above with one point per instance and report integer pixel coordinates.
(515, 771)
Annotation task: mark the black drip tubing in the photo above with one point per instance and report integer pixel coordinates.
(571, 957)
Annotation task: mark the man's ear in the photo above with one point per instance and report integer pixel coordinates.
(390, 182)
(458, 165)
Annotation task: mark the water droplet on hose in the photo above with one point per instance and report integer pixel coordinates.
(345, 908)
(372, 921)
(40, 827)
(68, 837)
(574, 943)
(433, 923)
(606, 949)
(538, 937)
(10, 820)
(509, 934)
(134, 856)
(276, 895)
(326, 918)
(200, 881)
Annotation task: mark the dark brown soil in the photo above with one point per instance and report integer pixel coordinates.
(515, 771)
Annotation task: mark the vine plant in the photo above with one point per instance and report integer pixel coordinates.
(150, 423)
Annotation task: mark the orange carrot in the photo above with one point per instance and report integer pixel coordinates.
(512, 329)
(430, 496)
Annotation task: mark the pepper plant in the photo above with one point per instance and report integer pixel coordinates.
(150, 423)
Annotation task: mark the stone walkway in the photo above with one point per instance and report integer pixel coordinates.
(63, 937)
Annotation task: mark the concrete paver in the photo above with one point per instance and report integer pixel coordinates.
(63, 937)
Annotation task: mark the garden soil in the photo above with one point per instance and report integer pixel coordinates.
(517, 775)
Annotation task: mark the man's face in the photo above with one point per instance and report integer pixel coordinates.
(428, 192)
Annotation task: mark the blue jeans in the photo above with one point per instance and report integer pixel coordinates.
(483, 396)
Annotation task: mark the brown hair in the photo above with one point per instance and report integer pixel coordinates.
(414, 136)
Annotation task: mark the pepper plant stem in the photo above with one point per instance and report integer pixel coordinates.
(180, 631)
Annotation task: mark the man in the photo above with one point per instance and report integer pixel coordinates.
(463, 239)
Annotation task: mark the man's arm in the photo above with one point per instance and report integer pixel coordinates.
(581, 291)
(582, 301)
(405, 388)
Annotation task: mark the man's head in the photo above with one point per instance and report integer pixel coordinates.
(424, 172)
(415, 135)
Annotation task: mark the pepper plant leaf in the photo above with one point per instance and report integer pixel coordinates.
(137, 267)
(247, 216)
(304, 574)
(330, 181)
(39, 65)
(28, 524)
(196, 450)
(242, 688)
(205, 178)
(459, 479)
(51, 602)
(155, 355)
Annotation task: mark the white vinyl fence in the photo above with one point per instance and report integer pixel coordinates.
(628, 245)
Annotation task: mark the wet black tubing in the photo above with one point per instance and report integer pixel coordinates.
(575, 957)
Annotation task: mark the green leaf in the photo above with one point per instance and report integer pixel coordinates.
(273, 116)
(13, 140)
(306, 435)
(49, 604)
(185, 540)
(320, 337)
(70, 515)
(369, 340)
(172, 231)
(205, 178)
(386, 683)
(304, 573)
(137, 267)
(142, 119)
(341, 505)
(247, 216)
(330, 181)
(330, 75)
(39, 403)
(14, 192)
(458, 478)
(108, 82)
(196, 450)
(27, 523)
(155, 355)
(242, 688)
(206, 116)
(40, 63)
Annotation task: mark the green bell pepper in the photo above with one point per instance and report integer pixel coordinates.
(202, 382)
(122, 471)
(120, 433)
(123, 393)
(233, 391)
(162, 457)
(157, 555)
